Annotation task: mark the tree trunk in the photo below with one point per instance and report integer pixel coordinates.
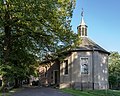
(16, 83)
(4, 84)
(20, 82)
(7, 44)
(7, 38)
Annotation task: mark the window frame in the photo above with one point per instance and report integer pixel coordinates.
(82, 68)
(65, 68)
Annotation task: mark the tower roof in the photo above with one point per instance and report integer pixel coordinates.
(82, 28)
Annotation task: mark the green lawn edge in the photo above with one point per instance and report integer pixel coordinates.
(76, 92)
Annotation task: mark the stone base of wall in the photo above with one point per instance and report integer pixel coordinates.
(83, 86)
(64, 85)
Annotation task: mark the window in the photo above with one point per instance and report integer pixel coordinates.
(79, 31)
(84, 65)
(85, 31)
(82, 31)
(51, 74)
(65, 67)
(45, 74)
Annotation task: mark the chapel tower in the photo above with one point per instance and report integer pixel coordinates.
(82, 28)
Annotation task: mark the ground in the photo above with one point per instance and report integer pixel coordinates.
(76, 92)
(45, 91)
(37, 91)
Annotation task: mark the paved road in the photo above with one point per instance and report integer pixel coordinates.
(40, 92)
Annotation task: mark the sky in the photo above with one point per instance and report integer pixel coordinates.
(103, 20)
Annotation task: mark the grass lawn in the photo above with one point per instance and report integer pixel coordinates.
(92, 92)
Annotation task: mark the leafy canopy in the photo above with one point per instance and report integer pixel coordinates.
(30, 30)
(114, 69)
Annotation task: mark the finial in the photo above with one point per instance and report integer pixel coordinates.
(82, 28)
(82, 12)
(82, 19)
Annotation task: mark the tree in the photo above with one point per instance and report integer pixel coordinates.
(35, 27)
(114, 70)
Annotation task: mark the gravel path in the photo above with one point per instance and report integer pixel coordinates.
(40, 92)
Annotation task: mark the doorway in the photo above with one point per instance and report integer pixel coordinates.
(56, 77)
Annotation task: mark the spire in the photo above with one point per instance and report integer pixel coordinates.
(82, 19)
(82, 28)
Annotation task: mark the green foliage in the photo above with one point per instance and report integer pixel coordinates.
(39, 25)
(114, 70)
(30, 30)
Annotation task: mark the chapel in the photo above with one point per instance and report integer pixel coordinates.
(84, 67)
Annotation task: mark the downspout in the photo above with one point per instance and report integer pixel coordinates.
(93, 68)
(71, 66)
(107, 72)
(81, 83)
